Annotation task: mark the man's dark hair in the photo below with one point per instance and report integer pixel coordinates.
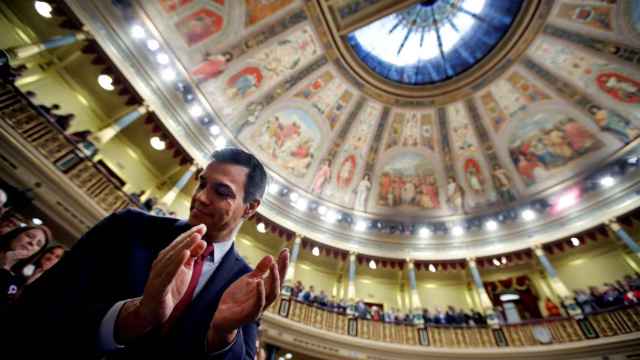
(256, 182)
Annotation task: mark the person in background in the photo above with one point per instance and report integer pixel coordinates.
(297, 289)
(552, 309)
(426, 317)
(585, 301)
(50, 257)
(439, 318)
(361, 309)
(321, 299)
(308, 295)
(18, 248)
(478, 318)
(450, 316)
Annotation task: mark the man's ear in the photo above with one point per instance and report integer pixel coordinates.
(251, 208)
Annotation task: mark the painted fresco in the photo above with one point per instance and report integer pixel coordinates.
(271, 64)
(635, 15)
(211, 67)
(289, 139)
(408, 181)
(170, 6)
(463, 138)
(199, 26)
(496, 115)
(509, 96)
(547, 142)
(328, 95)
(595, 16)
(411, 130)
(351, 158)
(258, 10)
(474, 176)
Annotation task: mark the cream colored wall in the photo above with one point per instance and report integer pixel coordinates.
(249, 249)
(592, 268)
(439, 290)
(377, 290)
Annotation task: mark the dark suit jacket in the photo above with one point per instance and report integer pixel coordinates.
(61, 312)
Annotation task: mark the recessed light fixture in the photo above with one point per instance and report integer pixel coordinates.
(294, 197)
(220, 143)
(432, 268)
(43, 8)
(36, 221)
(196, 110)
(315, 251)
(607, 181)
(157, 143)
(491, 225)
(372, 265)
(137, 32)
(106, 82)
(322, 210)
(575, 241)
(424, 232)
(302, 204)
(153, 44)
(162, 58)
(288, 356)
(361, 225)
(495, 262)
(274, 187)
(331, 216)
(457, 230)
(168, 74)
(528, 215)
(261, 227)
(214, 130)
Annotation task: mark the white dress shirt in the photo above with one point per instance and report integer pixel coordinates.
(106, 339)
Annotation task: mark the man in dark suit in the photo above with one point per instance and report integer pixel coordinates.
(142, 286)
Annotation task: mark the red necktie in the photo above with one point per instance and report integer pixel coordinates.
(191, 289)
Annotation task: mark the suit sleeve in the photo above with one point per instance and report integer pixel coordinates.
(67, 304)
(244, 346)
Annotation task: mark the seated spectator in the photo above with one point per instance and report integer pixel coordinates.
(150, 203)
(426, 317)
(597, 295)
(585, 301)
(478, 318)
(375, 313)
(361, 309)
(462, 318)
(439, 318)
(49, 109)
(308, 296)
(631, 297)
(450, 316)
(332, 304)
(137, 197)
(552, 309)
(612, 296)
(297, 289)
(342, 306)
(50, 257)
(633, 283)
(64, 121)
(321, 299)
(18, 248)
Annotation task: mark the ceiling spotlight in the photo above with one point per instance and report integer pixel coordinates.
(361, 225)
(196, 110)
(261, 228)
(424, 232)
(162, 58)
(288, 356)
(457, 230)
(220, 143)
(331, 216)
(496, 262)
(137, 32)
(575, 241)
(106, 82)
(214, 130)
(168, 74)
(36, 221)
(322, 210)
(302, 204)
(372, 265)
(503, 260)
(528, 215)
(607, 181)
(43, 8)
(491, 225)
(153, 44)
(632, 160)
(315, 251)
(274, 187)
(432, 268)
(157, 143)
(294, 197)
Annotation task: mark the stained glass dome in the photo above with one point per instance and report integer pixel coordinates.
(435, 40)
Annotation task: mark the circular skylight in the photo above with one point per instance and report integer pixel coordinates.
(433, 41)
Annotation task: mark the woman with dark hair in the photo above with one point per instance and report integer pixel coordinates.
(18, 248)
(50, 257)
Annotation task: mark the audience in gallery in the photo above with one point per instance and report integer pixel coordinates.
(24, 255)
(625, 292)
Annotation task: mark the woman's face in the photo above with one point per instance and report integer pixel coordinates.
(51, 258)
(29, 242)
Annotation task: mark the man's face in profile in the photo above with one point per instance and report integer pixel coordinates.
(218, 201)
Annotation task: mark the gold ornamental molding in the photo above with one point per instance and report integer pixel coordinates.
(526, 26)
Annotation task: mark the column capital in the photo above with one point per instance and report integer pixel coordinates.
(538, 250)
(298, 238)
(613, 224)
(471, 261)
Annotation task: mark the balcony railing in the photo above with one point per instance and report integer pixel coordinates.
(531, 333)
(35, 127)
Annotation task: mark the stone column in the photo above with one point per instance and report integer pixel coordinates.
(559, 288)
(416, 304)
(624, 236)
(106, 134)
(291, 270)
(351, 288)
(20, 52)
(485, 302)
(169, 197)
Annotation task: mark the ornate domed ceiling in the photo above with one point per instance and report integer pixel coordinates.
(430, 129)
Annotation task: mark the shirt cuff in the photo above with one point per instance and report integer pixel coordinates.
(211, 354)
(106, 338)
